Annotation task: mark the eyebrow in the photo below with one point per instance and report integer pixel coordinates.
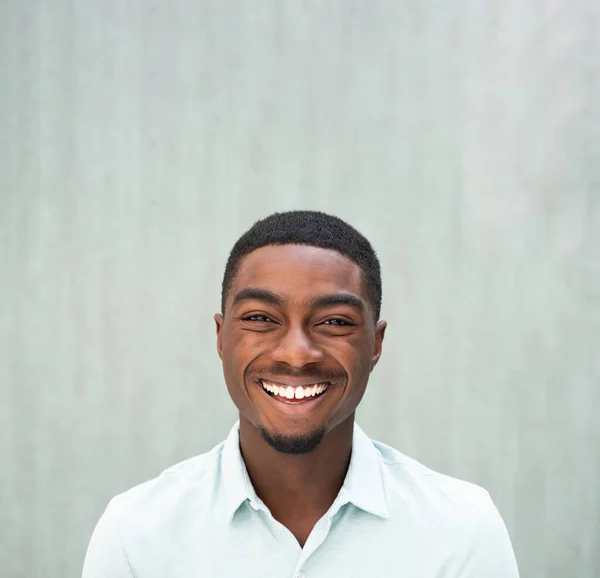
(338, 299)
(255, 294)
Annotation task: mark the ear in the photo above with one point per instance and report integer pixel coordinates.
(219, 323)
(379, 335)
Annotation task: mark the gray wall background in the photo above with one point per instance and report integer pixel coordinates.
(139, 139)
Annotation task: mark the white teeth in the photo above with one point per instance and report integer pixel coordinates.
(290, 392)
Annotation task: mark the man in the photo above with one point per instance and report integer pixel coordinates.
(297, 489)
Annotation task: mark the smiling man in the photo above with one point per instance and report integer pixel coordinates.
(298, 489)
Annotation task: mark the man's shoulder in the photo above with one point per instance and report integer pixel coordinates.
(444, 496)
(189, 484)
(453, 515)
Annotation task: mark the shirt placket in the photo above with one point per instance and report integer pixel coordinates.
(319, 534)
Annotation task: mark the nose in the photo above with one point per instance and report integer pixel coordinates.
(297, 349)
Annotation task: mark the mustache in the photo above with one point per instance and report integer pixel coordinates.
(319, 374)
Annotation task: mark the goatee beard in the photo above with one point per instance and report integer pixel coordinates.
(295, 445)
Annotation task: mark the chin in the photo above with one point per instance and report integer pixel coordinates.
(294, 444)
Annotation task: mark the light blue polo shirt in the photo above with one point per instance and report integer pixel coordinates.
(393, 518)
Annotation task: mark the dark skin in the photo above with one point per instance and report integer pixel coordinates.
(298, 315)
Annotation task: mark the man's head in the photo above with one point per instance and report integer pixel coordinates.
(299, 331)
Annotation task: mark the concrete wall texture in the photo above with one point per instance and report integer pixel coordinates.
(138, 140)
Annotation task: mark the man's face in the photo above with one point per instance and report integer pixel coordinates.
(298, 343)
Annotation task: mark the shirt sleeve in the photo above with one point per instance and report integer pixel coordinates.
(490, 554)
(105, 557)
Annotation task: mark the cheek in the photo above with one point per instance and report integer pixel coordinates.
(230, 353)
(356, 356)
(239, 350)
(249, 349)
(361, 374)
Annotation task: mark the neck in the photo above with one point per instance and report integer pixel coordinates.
(300, 488)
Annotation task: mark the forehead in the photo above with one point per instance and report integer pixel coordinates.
(299, 272)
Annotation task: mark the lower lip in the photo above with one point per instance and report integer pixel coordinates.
(295, 406)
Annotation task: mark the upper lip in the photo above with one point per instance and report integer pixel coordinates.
(294, 382)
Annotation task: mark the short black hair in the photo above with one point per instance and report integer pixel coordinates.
(312, 228)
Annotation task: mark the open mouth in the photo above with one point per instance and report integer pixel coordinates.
(294, 394)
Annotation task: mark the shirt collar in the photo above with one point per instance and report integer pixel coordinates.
(363, 486)
(235, 480)
(364, 481)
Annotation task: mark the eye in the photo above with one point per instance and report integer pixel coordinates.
(257, 318)
(338, 323)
